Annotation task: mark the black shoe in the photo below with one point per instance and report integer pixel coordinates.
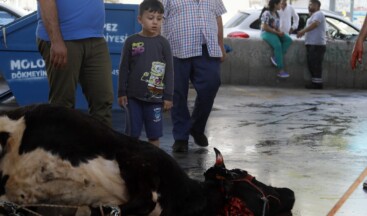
(199, 138)
(180, 146)
(314, 86)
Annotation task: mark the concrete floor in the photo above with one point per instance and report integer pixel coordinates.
(311, 141)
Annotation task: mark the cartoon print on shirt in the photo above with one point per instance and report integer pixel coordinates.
(154, 78)
(137, 48)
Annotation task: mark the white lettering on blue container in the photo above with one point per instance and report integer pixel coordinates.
(28, 74)
(111, 27)
(25, 64)
(27, 69)
(115, 38)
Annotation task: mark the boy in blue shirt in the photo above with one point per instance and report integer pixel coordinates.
(146, 75)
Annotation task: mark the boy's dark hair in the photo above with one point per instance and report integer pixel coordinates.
(317, 2)
(151, 6)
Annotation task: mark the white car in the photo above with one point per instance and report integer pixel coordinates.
(246, 24)
(10, 13)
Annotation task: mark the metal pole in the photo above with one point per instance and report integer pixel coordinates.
(351, 10)
(332, 5)
(347, 194)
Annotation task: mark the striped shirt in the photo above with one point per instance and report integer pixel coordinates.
(189, 24)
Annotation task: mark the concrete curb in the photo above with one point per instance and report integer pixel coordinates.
(249, 64)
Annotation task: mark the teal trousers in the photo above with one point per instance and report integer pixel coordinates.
(280, 46)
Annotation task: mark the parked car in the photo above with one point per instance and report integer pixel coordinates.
(246, 24)
(10, 13)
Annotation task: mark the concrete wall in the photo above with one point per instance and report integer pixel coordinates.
(249, 64)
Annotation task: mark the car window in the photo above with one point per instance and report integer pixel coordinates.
(6, 17)
(302, 21)
(341, 26)
(256, 24)
(236, 20)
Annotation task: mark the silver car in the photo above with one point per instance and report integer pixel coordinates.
(246, 24)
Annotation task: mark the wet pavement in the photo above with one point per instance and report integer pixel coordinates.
(311, 141)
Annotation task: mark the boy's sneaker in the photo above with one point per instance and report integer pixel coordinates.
(272, 59)
(283, 74)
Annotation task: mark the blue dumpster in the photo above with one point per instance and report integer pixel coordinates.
(24, 69)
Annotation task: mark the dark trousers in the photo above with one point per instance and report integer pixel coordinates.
(89, 64)
(204, 73)
(315, 57)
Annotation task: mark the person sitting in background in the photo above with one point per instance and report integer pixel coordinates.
(277, 39)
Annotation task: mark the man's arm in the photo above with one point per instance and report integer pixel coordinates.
(220, 37)
(308, 28)
(58, 51)
(357, 52)
(363, 34)
(166, 5)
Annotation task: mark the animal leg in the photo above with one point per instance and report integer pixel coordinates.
(142, 204)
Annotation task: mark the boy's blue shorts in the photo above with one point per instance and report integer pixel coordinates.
(144, 113)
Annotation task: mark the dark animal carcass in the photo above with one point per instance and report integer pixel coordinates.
(56, 155)
(240, 194)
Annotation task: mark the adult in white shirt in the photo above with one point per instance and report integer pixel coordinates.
(286, 13)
